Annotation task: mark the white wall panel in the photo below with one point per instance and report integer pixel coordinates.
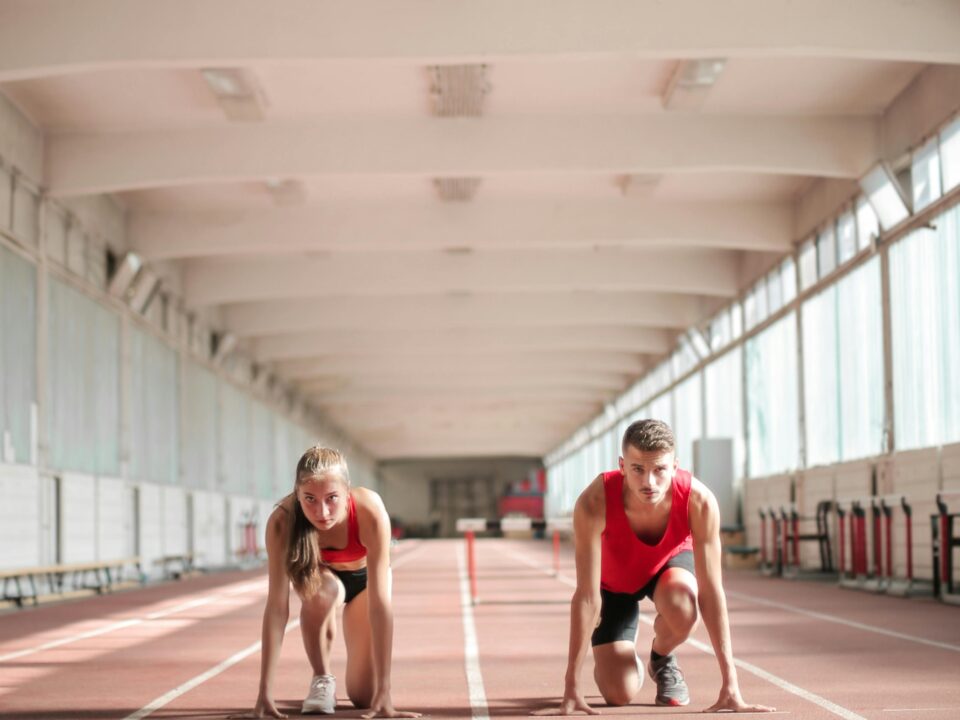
(78, 518)
(112, 508)
(150, 530)
(209, 528)
(765, 491)
(19, 517)
(198, 427)
(240, 511)
(18, 361)
(153, 409)
(175, 531)
(265, 510)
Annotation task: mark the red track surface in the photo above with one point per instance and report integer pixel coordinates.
(806, 654)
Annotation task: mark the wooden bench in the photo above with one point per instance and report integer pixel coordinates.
(98, 576)
(177, 566)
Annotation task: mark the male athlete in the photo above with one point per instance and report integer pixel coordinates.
(641, 531)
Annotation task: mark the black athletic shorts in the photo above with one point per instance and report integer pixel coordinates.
(620, 612)
(354, 582)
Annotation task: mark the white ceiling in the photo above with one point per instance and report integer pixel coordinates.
(603, 223)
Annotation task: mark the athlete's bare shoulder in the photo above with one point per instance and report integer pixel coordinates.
(366, 498)
(700, 494)
(592, 501)
(278, 523)
(702, 511)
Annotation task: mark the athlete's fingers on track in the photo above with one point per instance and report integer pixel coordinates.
(392, 714)
(257, 716)
(743, 708)
(563, 710)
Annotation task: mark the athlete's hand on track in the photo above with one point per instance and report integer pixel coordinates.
(732, 702)
(383, 708)
(265, 708)
(569, 706)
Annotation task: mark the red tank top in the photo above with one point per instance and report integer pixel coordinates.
(626, 562)
(354, 549)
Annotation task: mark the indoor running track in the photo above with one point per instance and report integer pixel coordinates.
(189, 649)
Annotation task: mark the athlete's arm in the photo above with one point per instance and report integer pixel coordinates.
(588, 522)
(704, 517)
(275, 613)
(375, 536)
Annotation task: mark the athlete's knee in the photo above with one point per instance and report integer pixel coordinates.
(678, 605)
(617, 695)
(328, 595)
(619, 681)
(361, 697)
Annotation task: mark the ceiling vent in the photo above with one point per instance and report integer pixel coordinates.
(456, 189)
(458, 91)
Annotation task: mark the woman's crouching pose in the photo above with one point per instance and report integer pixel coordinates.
(332, 542)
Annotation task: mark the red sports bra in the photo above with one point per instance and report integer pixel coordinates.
(354, 549)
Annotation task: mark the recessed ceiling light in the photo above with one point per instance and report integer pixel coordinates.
(237, 92)
(691, 83)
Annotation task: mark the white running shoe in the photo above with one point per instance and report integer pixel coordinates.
(322, 698)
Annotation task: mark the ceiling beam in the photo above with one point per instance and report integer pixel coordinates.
(452, 381)
(40, 38)
(85, 164)
(481, 342)
(480, 224)
(456, 362)
(490, 312)
(681, 270)
(400, 397)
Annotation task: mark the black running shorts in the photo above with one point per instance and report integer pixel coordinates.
(620, 612)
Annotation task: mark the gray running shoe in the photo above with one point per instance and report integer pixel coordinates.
(671, 689)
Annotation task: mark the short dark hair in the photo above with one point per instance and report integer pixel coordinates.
(649, 436)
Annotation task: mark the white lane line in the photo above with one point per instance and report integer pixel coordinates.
(183, 606)
(471, 659)
(827, 705)
(73, 638)
(926, 709)
(844, 621)
(412, 552)
(120, 625)
(169, 697)
(232, 660)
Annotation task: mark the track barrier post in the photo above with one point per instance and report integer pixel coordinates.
(944, 541)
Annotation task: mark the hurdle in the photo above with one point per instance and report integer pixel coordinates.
(871, 563)
(791, 519)
(771, 551)
(852, 516)
(469, 527)
(888, 505)
(943, 543)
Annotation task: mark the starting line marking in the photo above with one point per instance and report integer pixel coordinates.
(827, 705)
(471, 654)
